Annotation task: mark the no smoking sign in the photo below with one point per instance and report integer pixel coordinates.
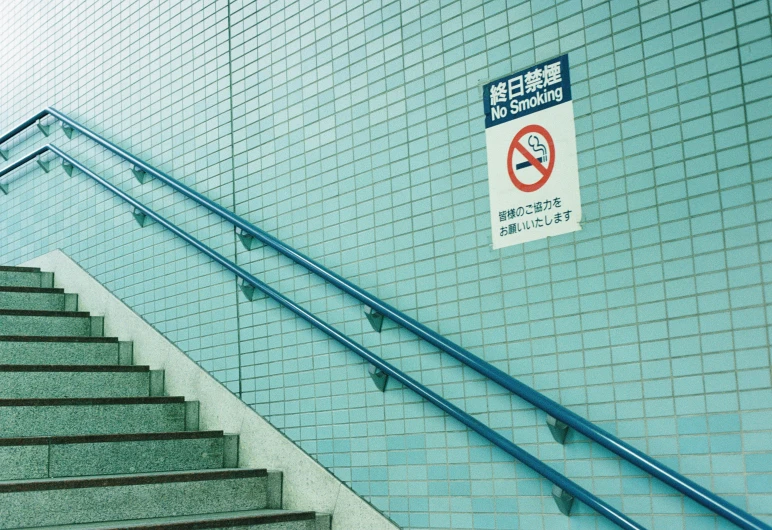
(539, 155)
(533, 172)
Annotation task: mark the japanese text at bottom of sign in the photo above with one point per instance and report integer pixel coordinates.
(533, 216)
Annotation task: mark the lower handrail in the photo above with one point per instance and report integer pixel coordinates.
(559, 480)
(604, 438)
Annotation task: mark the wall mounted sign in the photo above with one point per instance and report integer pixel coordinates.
(533, 173)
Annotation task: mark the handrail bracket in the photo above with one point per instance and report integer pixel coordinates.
(142, 219)
(248, 290)
(140, 174)
(45, 129)
(375, 319)
(558, 429)
(68, 131)
(67, 167)
(564, 500)
(247, 240)
(4, 154)
(379, 377)
(45, 165)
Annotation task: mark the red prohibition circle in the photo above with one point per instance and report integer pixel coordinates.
(545, 171)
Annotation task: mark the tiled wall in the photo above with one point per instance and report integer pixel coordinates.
(354, 132)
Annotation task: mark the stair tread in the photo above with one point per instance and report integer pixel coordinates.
(196, 469)
(106, 481)
(72, 368)
(53, 402)
(54, 338)
(197, 521)
(36, 313)
(39, 290)
(106, 438)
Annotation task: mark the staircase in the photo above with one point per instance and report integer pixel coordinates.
(89, 441)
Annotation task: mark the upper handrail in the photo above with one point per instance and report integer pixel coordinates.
(617, 446)
(526, 458)
(19, 128)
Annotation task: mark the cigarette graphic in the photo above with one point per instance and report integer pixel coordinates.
(536, 145)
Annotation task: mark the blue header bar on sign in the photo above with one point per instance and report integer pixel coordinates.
(536, 88)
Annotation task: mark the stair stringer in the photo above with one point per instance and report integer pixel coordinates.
(307, 485)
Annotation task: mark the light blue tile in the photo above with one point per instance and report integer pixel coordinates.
(388, 136)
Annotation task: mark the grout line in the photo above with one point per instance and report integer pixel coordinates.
(233, 195)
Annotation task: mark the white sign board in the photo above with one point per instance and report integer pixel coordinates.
(533, 174)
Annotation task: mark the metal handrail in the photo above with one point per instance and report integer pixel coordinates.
(617, 446)
(526, 458)
(19, 128)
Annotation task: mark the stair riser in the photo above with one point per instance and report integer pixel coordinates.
(38, 301)
(50, 326)
(109, 458)
(25, 462)
(69, 353)
(41, 385)
(88, 505)
(73, 420)
(26, 279)
(136, 457)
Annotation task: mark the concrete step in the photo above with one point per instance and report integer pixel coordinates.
(62, 381)
(50, 502)
(242, 520)
(37, 299)
(80, 456)
(25, 277)
(64, 350)
(50, 323)
(81, 416)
